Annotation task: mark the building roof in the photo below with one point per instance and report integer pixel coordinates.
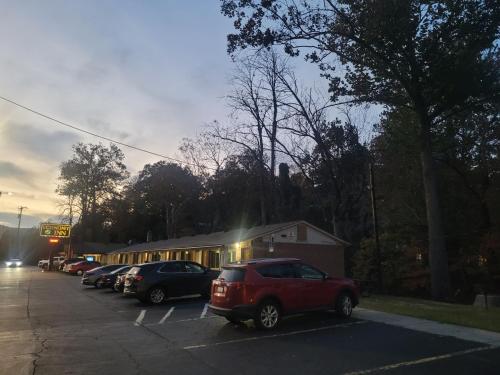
(96, 247)
(217, 239)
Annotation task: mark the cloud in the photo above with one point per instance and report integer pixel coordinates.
(49, 145)
(10, 219)
(105, 128)
(8, 169)
(11, 170)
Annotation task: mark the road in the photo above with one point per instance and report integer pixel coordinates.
(50, 324)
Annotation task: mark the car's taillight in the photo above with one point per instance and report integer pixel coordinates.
(138, 277)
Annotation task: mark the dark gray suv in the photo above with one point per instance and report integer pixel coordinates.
(156, 282)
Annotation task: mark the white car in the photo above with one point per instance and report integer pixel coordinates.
(14, 262)
(44, 263)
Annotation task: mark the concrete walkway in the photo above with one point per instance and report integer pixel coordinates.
(429, 326)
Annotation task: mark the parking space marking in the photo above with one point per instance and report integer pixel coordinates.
(255, 338)
(167, 315)
(180, 321)
(140, 318)
(421, 360)
(204, 312)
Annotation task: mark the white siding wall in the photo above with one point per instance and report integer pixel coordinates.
(290, 236)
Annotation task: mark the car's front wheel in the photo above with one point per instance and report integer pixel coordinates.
(344, 305)
(268, 315)
(157, 295)
(79, 272)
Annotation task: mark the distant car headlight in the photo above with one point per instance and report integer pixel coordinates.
(8, 264)
(19, 264)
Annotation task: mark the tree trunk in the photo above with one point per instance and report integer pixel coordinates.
(263, 216)
(438, 257)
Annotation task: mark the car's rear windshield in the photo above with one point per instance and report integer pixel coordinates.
(134, 270)
(232, 274)
(121, 269)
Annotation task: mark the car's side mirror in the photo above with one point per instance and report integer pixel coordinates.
(327, 277)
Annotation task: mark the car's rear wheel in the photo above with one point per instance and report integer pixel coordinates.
(98, 283)
(268, 315)
(344, 305)
(157, 295)
(79, 272)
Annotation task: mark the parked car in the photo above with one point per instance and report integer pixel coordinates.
(66, 262)
(79, 268)
(155, 282)
(56, 261)
(267, 289)
(93, 276)
(108, 280)
(14, 262)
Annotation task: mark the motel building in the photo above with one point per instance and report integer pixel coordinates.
(297, 239)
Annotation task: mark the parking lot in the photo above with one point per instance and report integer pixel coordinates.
(50, 324)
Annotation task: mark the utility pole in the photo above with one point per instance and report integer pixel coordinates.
(375, 228)
(21, 208)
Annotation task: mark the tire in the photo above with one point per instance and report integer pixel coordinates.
(268, 315)
(79, 273)
(344, 305)
(97, 284)
(156, 295)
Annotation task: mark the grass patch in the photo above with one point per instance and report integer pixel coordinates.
(464, 315)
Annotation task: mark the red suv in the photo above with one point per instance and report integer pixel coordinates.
(80, 267)
(266, 289)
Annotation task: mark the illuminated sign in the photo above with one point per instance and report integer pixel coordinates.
(90, 258)
(53, 240)
(55, 230)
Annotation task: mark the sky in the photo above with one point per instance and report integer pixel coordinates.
(147, 73)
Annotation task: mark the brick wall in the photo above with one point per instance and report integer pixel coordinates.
(328, 258)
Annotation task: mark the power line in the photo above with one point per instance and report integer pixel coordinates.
(94, 134)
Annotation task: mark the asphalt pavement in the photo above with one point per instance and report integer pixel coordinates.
(50, 324)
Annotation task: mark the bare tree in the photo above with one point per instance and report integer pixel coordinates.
(314, 142)
(256, 102)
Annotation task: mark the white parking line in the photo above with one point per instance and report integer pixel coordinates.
(140, 318)
(421, 360)
(167, 315)
(204, 312)
(254, 338)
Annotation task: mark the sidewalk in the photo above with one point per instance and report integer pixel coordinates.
(429, 326)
